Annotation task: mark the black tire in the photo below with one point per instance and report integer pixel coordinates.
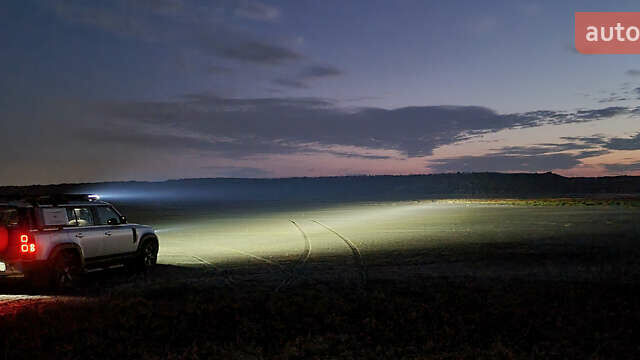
(65, 271)
(147, 255)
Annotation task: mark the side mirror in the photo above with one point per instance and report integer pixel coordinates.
(123, 219)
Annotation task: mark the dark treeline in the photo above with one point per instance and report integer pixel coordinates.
(351, 187)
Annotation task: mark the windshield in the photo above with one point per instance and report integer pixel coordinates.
(8, 217)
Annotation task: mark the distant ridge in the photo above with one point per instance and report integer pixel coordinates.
(375, 187)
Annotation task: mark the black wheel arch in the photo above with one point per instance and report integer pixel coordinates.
(66, 247)
(148, 238)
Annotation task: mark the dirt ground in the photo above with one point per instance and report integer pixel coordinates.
(374, 280)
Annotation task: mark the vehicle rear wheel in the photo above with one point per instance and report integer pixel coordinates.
(65, 271)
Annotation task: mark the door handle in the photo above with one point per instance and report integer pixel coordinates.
(79, 236)
(108, 233)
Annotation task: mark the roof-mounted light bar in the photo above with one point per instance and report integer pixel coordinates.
(51, 198)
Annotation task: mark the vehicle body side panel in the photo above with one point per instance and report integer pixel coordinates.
(119, 239)
(142, 231)
(46, 241)
(89, 239)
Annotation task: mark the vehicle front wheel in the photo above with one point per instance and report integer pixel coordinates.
(147, 256)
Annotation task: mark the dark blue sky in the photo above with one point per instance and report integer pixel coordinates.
(181, 88)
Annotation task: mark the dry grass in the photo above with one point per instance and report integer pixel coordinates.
(422, 318)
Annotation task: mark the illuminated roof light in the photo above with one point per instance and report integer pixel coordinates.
(93, 197)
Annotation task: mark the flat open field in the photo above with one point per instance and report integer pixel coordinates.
(411, 279)
(441, 238)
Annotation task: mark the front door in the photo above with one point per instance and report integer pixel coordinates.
(118, 237)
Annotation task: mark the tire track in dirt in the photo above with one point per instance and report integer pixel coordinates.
(307, 246)
(228, 274)
(302, 259)
(228, 279)
(357, 256)
(268, 261)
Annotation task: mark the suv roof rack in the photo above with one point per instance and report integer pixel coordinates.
(50, 199)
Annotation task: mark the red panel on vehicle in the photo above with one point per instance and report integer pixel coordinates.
(4, 238)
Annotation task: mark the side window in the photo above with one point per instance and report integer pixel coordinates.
(71, 215)
(8, 217)
(105, 215)
(83, 216)
(55, 216)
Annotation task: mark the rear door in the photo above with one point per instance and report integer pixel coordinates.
(119, 237)
(83, 231)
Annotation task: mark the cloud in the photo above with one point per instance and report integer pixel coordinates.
(626, 93)
(244, 127)
(615, 97)
(236, 171)
(499, 162)
(189, 24)
(614, 143)
(632, 143)
(320, 71)
(622, 168)
(258, 52)
(592, 153)
(601, 113)
(359, 156)
(633, 72)
(589, 140)
(584, 150)
(164, 7)
(540, 157)
(291, 83)
(255, 10)
(302, 79)
(120, 17)
(540, 149)
(154, 139)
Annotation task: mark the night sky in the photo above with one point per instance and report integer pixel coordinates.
(152, 90)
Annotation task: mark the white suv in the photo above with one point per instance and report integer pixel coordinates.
(54, 239)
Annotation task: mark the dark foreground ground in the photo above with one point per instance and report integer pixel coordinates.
(200, 313)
